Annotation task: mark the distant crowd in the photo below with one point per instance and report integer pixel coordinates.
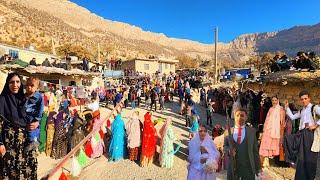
(303, 61)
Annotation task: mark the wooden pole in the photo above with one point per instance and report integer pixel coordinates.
(77, 147)
(99, 60)
(216, 55)
(53, 47)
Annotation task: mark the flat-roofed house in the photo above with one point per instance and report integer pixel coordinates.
(25, 54)
(151, 66)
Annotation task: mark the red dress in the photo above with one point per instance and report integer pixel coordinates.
(149, 137)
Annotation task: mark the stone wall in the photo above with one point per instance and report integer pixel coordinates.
(289, 91)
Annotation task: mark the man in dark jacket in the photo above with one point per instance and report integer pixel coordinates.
(242, 146)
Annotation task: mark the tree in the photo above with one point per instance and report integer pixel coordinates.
(187, 62)
(74, 50)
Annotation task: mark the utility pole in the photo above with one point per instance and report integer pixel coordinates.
(53, 47)
(216, 55)
(99, 60)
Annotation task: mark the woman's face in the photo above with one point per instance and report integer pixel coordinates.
(202, 133)
(275, 101)
(14, 84)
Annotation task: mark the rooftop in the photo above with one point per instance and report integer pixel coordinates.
(26, 49)
(47, 70)
(293, 76)
(173, 61)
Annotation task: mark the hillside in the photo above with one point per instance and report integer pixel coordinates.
(38, 22)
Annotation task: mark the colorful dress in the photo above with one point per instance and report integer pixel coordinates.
(77, 131)
(134, 137)
(50, 133)
(43, 132)
(148, 141)
(195, 125)
(60, 142)
(270, 142)
(117, 148)
(98, 148)
(166, 155)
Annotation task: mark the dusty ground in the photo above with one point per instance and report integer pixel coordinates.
(100, 168)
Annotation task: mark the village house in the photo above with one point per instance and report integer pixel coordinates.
(59, 76)
(25, 54)
(150, 66)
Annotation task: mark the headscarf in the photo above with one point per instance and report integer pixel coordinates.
(166, 144)
(149, 137)
(117, 148)
(165, 127)
(194, 150)
(12, 105)
(133, 131)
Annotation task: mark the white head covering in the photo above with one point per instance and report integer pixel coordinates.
(195, 153)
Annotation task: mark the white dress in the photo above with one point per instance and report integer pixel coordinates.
(196, 170)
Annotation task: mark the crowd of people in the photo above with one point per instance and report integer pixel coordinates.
(304, 60)
(34, 122)
(48, 122)
(285, 134)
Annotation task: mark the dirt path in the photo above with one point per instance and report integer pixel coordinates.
(100, 168)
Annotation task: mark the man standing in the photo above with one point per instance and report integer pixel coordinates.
(139, 96)
(244, 149)
(302, 147)
(154, 98)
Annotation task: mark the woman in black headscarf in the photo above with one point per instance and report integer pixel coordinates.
(16, 161)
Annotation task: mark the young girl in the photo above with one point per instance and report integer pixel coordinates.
(194, 127)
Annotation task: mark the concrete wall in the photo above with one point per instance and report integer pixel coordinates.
(289, 91)
(26, 55)
(166, 68)
(140, 66)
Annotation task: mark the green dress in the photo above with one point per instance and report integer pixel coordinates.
(43, 133)
(167, 149)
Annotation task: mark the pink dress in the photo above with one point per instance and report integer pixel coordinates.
(97, 150)
(269, 146)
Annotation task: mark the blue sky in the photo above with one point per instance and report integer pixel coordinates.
(196, 19)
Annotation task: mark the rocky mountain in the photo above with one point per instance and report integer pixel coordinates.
(39, 22)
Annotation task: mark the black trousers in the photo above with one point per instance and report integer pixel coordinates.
(209, 119)
(298, 149)
(126, 103)
(188, 120)
(153, 102)
(139, 100)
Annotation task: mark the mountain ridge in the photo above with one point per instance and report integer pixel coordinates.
(38, 21)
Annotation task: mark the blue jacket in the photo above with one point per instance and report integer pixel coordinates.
(34, 107)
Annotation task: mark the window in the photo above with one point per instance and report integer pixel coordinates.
(146, 66)
(14, 54)
(166, 66)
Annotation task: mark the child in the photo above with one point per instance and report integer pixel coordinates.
(194, 127)
(161, 102)
(209, 114)
(34, 108)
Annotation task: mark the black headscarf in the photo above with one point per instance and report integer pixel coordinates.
(12, 105)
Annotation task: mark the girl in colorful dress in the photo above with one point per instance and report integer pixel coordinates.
(271, 137)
